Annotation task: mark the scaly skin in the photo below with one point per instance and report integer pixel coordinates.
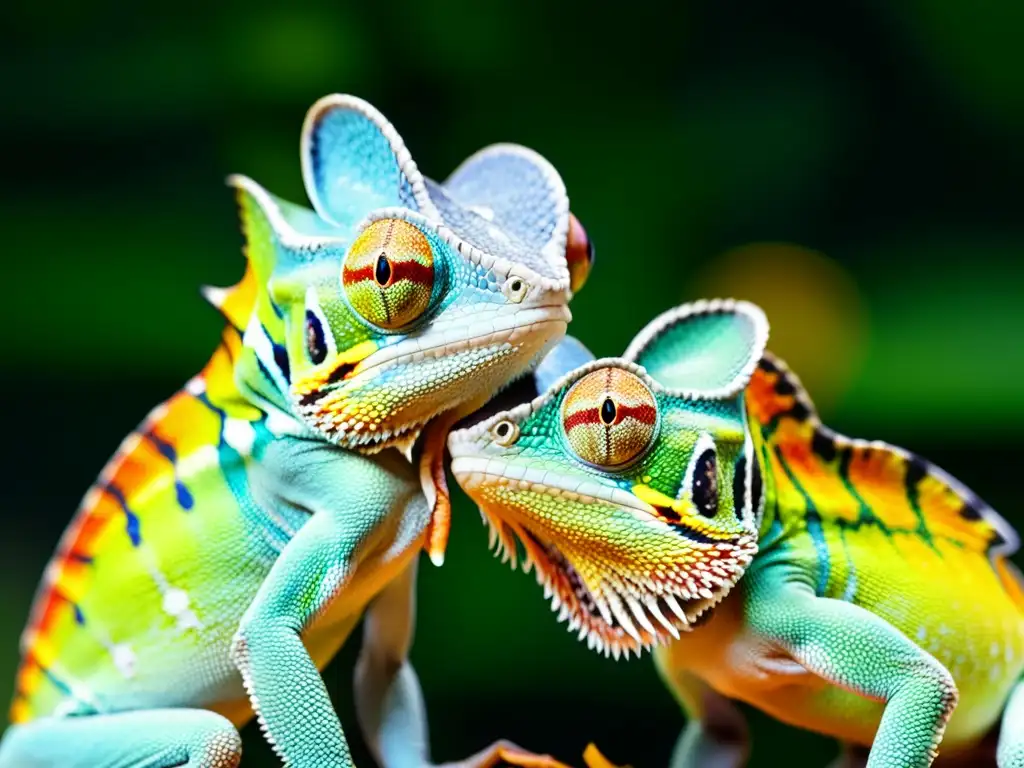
(687, 496)
(237, 536)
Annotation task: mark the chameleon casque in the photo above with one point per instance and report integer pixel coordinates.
(687, 496)
(236, 537)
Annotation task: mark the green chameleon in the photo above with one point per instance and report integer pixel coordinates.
(239, 534)
(687, 496)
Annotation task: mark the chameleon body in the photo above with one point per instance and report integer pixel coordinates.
(687, 496)
(238, 535)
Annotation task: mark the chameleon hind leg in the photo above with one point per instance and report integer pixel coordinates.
(716, 734)
(158, 738)
(1010, 753)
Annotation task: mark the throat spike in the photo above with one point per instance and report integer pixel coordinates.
(655, 611)
(638, 613)
(677, 609)
(620, 613)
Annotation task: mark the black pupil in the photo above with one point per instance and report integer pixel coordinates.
(516, 285)
(502, 429)
(382, 272)
(705, 484)
(590, 252)
(608, 411)
(315, 344)
(739, 487)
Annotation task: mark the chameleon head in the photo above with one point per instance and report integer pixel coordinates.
(400, 298)
(631, 482)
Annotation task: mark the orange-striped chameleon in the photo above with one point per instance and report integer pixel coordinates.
(686, 495)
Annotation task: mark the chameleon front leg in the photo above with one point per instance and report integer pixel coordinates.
(851, 647)
(348, 498)
(389, 702)
(716, 734)
(284, 685)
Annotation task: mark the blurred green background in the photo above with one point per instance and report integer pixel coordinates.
(855, 167)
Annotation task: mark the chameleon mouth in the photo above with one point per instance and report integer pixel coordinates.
(615, 619)
(352, 412)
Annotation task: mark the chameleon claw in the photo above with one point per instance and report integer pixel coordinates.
(506, 753)
(594, 759)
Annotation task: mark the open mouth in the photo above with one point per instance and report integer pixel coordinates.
(623, 615)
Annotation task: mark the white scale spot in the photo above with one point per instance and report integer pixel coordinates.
(157, 413)
(239, 434)
(176, 603)
(922, 633)
(124, 659)
(195, 386)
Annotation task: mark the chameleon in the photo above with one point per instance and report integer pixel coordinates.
(687, 498)
(238, 535)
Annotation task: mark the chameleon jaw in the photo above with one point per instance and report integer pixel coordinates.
(362, 411)
(617, 606)
(613, 622)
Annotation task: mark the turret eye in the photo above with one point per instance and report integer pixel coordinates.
(704, 490)
(316, 345)
(609, 417)
(388, 274)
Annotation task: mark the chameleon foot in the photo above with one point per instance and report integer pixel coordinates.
(504, 752)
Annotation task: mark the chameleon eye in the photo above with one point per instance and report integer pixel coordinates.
(609, 417)
(579, 252)
(505, 432)
(388, 273)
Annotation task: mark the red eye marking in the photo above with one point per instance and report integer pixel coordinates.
(400, 270)
(643, 413)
